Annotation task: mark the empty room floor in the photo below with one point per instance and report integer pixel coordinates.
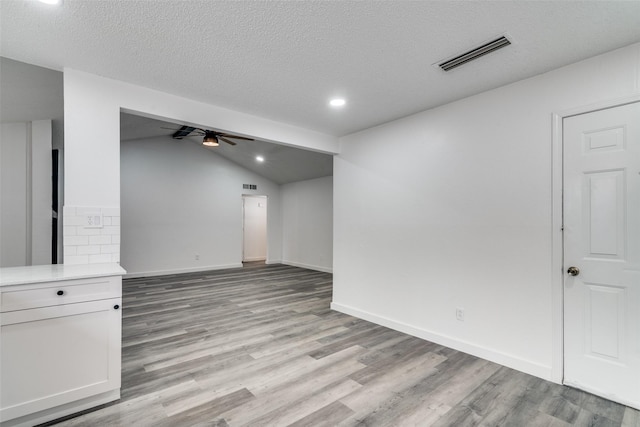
(259, 346)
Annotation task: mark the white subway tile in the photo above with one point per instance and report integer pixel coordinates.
(74, 220)
(100, 240)
(115, 239)
(106, 220)
(70, 250)
(109, 249)
(115, 220)
(88, 231)
(97, 259)
(111, 211)
(111, 230)
(77, 259)
(69, 230)
(115, 257)
(88, 210)
(68, 210)
(76, 240)
(88, 250)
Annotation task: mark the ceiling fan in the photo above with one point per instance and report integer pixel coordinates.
(210, 138)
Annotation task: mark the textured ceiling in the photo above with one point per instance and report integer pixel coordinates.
(281, 165)
(284, 60)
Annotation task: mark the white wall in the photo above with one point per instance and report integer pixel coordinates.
(92, 132)
(25, 189)
(13, 188)
(307, 224)
(34, 94)
(180, 199)
(452, 208)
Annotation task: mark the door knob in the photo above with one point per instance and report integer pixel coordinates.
(573, 271)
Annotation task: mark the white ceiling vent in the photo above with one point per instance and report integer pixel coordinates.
(475, 53)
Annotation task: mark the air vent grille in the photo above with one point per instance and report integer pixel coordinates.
(476, 53)
(249, 186)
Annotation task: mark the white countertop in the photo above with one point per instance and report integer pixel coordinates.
(56, 272)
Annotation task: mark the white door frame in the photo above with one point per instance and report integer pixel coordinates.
(266, 197)
(557, 249)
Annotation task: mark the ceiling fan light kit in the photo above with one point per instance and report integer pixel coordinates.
(211, 138)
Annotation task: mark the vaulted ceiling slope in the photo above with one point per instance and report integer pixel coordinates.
(284, 60)
(281, 164)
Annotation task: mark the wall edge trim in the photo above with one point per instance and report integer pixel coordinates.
(308, 266)
(139, 274)
(504, 359)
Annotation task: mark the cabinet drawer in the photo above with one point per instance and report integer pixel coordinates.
(67, 292)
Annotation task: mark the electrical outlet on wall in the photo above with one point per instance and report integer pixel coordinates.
(93, 220)
(460, 314)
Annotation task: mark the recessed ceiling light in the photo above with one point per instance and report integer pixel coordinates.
(52, 2)
(259, 159)
(337, 102)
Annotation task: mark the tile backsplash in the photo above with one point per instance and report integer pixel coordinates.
(91, 234)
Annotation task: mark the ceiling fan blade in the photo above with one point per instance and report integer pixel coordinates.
(226, 140)
(190, 136)
(234, 136)
(183, 129)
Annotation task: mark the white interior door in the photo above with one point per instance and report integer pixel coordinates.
(602, 241)
(255, 228)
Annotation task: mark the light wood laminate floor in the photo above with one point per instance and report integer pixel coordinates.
(259, 346)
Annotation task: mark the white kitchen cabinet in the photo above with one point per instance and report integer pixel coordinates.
(60, 347)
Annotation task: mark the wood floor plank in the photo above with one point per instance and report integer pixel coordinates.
(388, 385)
(329, 415)
(631, 418)
(302, 407)
(282, 394)
(423, 404)
(260, 346)
(208, 411)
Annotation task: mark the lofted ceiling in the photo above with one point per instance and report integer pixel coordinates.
(283, 60)
(281, 165)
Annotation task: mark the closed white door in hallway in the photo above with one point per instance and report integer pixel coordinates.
(254, 228)
(602, 253)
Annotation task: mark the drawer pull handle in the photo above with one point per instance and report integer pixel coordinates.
(60, 293)
(115, 307)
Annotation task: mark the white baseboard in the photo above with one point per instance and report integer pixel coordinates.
(514, 362)
(62, 410)
(273, 261)
(138, 274)
(309, 266)
(250, 259)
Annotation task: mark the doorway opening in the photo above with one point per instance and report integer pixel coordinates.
(600, 294)
(254, 228)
